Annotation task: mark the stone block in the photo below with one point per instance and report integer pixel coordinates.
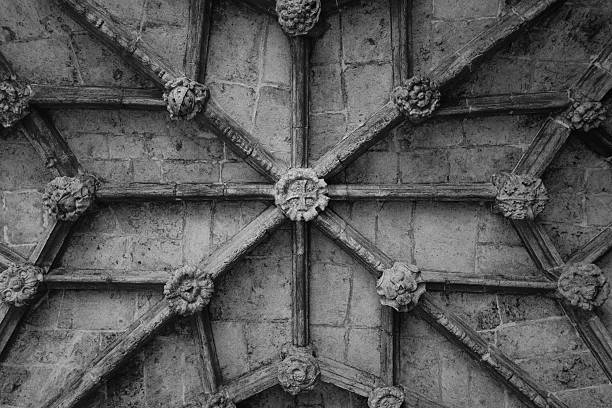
(179, 171)
(368, 87)
(80, 310)
(504, 260)
(235, 27)
(329, 341)
(146, 171)
(420, 366)
(365, 307)
(424, 166)
(443, 132)
(330, 289)
(162, 220)
(444, 235)
(480, 163)
(449, 9)
(485, 390)
(22, 168)
(327, 50)
(277, 56)
(155, 254)
(273, 121)
(500, 130)
(119, 171)
(537, 338)
(374, 168)
(235, 99)
(593, 397)
(326, 89)
(127, 387)
(394, 234)
(363, 349)
(448, 37)
(495, 229)
(231, 346)
(527, 307)
(569, 238)
(196, 238)
(264, 341)
(164, 364)
(326, 129)
(366, 32)
(565, 371)
(23, 216)
(479, 311)
(599, 209)
(96, 252)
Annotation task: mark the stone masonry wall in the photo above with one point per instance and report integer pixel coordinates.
(248, 71)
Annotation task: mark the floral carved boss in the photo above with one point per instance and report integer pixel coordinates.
(300, 193)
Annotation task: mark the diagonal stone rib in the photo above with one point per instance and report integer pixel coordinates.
(587, 323)
(595, 248)
(100, 23)
(362, 249)
(549, 140)
(85, 380)
(486, 354)
(144, 59)
(50, 145)
(385, 118)
(9, 256)
(252, 383)
(353, 242)
(596, 82)
(489, 40)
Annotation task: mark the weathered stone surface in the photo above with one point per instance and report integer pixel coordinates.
(298, 371)
(189, 290)
(298, 17)
(519, 197)
(583, 285)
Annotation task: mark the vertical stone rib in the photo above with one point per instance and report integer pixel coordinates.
(300, 54)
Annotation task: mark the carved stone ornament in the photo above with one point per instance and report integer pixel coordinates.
(583, 285)
(301, 194)
(417, 98)
(400, 286)
(19, 284)
(14, 99)
(298, 17)
(519, 196)
(386, 397)
(219, 400)
(67, 198)
(185, 98)
(586, 115)
(299, 369)
(189, 290)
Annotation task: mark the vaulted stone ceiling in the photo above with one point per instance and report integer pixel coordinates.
(371, 202)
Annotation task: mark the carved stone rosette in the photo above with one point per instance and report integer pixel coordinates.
(67, 198)
(185, 98)
(586, 115)
(219, 400)
(400, 286)
(189, 290)
(14, 99)
(386, 397)
(519, 196)
(299, 369)
(19, 284)
(417, 98)
(583, 285)
(298, 17)
(300, 194)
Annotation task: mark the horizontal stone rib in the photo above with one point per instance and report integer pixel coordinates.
(252, 383)
(50, 145)
(137, 53)
(487, 355)
(187, 191)
(353, 242)
(437, 192)
(598, 246)
(489, 40)
(81, 382)
(507, 103)
(55, 96)
(444, 281)
(548, 141)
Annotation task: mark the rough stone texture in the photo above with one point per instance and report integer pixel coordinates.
(351, 76)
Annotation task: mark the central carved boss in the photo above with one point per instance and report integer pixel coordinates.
(300, 194)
